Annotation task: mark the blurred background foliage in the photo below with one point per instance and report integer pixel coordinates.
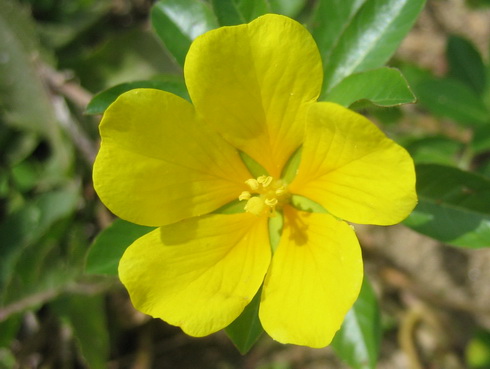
(62, 306)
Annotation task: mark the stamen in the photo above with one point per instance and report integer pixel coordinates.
(271, 202)
(265, 180)
(265, 196)
(245, 195)
(252, 183)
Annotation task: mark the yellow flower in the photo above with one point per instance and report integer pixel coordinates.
(166, 162)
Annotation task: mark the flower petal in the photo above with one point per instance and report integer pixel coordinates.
(200, 273)
(158, 164)
(353, 170)
(253, 82)
(314, 279)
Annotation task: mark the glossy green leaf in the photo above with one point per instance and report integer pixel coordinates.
(291, 8)
(452, 99)
(109, 246)
(453, 206)
(251, 9)
(246, 329)
(227, 12)
(85, 315)
(382, 87)
(370, 39)
(178, 22)
(329, 20)
(170, 83)
(358, 340)
(465, 63)
(232, 12)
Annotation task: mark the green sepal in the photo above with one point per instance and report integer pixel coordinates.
(246, 329)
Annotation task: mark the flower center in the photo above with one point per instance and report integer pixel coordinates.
(265, 196)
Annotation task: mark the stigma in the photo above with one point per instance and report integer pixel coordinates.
(266, 195)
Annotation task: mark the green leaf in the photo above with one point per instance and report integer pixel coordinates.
(452, 99)
(453, 206)
(251, 9)
(465, 63)
(383, 87)
(329, 20)
(232, 12)
(291, 8)
(170, 83)
(178, 22)
(246, 329)
(109, 246)
(85, 315)
(358, 340)
(370, 39)
(133, 54)
(227, 12)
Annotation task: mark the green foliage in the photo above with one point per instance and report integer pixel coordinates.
(232, 12)
(451, 98)
(453, 206)
(109, 246)
(465, 63)
(170, 83)
(178, 22)
(382, 87)
(358, 340)
(364, 37)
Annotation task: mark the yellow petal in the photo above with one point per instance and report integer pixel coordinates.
(200, 273)
(314, 279)
(253, 82)
(353, 170)
(158, 164)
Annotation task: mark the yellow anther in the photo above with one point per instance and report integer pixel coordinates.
(281, 191)
(265, 181)
(271, 202)
(245, 195)
(253, 184)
